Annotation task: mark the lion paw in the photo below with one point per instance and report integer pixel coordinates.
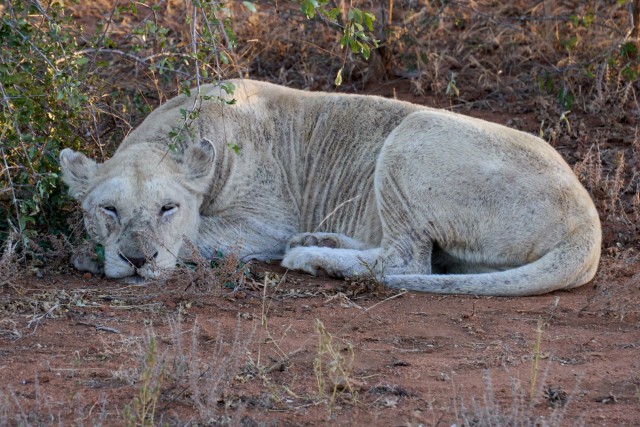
(327, 261)
(324, 240)
(302, 259)
(85, 262)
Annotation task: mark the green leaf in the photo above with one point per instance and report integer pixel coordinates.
(344, 40)
(24, 220)
(228, 87)
(308, 9)
(629, 50)
(354, 45)
(338, 80)
(368, 20)
(250, 6)
(223, 57)
(350, 14)
(234, 147)
(99, 251)
(333, 13)
(366, 51)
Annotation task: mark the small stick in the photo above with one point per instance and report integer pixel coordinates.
(107, 329)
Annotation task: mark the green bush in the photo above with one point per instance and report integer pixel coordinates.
(43, 104)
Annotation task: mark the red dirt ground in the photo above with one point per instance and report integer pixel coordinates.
(72, 347)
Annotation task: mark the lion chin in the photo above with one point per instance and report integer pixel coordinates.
(349, 185)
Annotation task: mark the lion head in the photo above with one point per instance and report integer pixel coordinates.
(140, 205)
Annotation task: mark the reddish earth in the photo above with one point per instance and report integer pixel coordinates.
(73, 351)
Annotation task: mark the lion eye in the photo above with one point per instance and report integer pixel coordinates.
(110, 210)
(168, 209)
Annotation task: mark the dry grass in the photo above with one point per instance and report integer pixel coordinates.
(8, 265)
(175, 369)
(184, 367)
(516, 409)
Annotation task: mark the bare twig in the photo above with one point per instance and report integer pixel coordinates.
(36, 319)
(334, 211)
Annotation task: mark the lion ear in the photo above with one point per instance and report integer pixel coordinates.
(198, 164)
(77, 171)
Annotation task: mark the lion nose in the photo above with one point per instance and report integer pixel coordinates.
(137, 262)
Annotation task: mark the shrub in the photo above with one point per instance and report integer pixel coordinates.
(43, 103)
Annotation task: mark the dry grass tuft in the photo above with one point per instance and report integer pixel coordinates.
(516, 409)
(201, 275)
(8, 265)
(203, 381)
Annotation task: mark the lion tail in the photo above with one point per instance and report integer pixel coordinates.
(570, 264)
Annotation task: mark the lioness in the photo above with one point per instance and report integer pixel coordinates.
(427, 199)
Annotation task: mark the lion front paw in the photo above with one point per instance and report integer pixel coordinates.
(85, 262)
(312, 260)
